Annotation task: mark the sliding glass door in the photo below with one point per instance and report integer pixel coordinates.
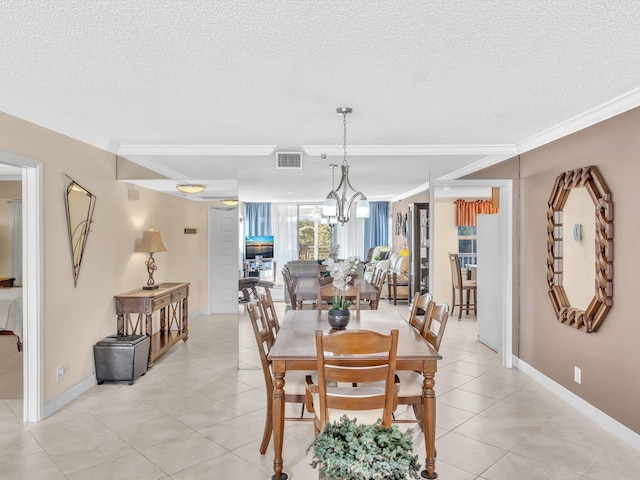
(314, 234)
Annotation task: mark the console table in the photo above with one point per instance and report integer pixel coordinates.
(171, 299)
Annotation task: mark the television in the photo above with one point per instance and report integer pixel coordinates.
(261, 246)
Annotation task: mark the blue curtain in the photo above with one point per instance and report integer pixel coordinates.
(376, 227)
(257, 219)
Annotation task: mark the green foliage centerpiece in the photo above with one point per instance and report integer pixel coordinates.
(345, 450)
(342, 273)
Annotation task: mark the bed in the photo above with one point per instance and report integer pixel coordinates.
(11, 313)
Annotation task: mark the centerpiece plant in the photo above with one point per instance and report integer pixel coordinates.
(345, 450)
(342, 273)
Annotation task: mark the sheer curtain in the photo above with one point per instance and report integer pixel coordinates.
(376, 227)
(285, 232)
(15, 231)
(257, 219)
(350, 238)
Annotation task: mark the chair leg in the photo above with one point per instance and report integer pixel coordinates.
(268, 426)
(468, 295)
(460, 305)
(453, 303)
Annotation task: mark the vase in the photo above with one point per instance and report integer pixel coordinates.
(339, 319)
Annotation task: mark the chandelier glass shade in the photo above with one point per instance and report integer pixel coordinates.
(339, 200)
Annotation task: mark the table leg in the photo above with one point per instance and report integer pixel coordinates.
(278, 420)
(120, 324)
(185, 318)
(149, 331)
(429, 408)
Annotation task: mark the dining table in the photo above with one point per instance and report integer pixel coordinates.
(294, 349)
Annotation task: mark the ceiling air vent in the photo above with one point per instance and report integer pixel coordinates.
(289, 160)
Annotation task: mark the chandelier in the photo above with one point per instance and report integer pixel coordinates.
(336, 204)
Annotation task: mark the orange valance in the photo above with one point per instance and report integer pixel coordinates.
(466, 212)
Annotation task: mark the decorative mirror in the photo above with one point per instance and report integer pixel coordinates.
(80, 204)
(559, 238)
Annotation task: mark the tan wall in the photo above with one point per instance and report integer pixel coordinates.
(402, 206)
(445, 240)
(608, 358)
(75, 318)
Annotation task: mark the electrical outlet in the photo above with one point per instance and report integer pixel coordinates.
(577, 375)
(59, 373)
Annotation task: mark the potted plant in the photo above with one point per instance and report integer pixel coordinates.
(342, 274)
(345, 450)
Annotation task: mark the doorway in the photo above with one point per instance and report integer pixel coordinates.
(31, 175)
(503, 313)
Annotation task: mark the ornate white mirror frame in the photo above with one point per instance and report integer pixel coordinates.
(588, 320)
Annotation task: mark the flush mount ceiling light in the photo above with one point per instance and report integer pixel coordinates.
(230, 202)
(190, 188)
(336, 204)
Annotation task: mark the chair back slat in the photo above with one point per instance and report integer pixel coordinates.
(456, 273)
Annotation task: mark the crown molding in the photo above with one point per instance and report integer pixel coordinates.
(196, 150)
(475, 166)
(410, 150)
(414, 191)
(604, 111)
(159, 168)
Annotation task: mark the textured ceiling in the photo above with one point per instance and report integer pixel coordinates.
(462, 82)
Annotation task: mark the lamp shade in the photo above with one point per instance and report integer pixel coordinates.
(330, 207)
(151, 242)
(404, 252)
(362, 208)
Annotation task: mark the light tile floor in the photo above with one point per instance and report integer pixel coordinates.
(195, 415)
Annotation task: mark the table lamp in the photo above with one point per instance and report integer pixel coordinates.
(151, 243)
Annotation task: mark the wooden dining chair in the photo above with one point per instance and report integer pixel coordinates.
(435, 325)
(420, 310)
(365, 364)
(296, 380)
(270, 316)
(461, 285)
(411, 383)
(288, 283)
(327, 292)
(377, 282)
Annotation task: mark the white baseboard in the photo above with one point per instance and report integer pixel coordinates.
(195, 313)
(610, 424)
(79, 388)
(52, 406)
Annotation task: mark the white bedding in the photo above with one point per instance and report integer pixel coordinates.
(11, 310)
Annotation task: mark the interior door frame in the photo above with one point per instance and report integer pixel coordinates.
(506, 234)
(32, 288)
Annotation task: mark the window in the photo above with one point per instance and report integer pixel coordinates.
(468, 246)
(314, 237)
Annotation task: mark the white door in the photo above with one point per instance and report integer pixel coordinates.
(491, 283)
(223, 260)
